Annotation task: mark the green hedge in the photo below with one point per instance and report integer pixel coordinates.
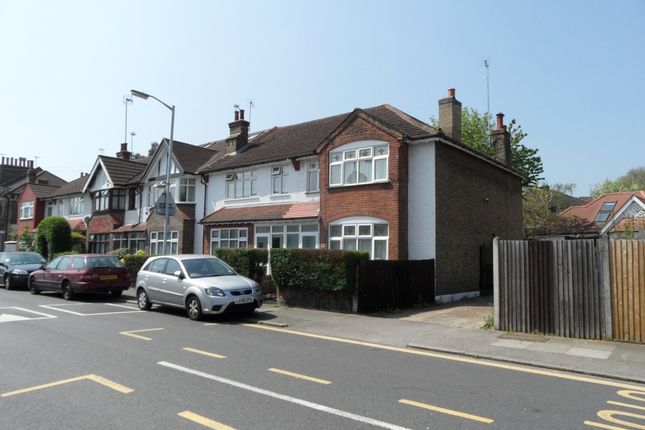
(134, 262)
(53, 236)
(247, 262)
(318, 269)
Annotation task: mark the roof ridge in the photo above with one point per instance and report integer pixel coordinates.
(407, 116)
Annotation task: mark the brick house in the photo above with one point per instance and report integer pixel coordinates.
(374, 179)
(69, 202)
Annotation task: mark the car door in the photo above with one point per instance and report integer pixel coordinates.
(153, 279)
(45, 278)
(59, 273)
(173, 286)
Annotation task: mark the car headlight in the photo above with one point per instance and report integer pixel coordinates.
(215, 292)
(19, 272)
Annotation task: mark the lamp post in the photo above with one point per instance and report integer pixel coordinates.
(145, 96)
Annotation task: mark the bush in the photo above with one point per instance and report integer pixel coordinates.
(318, 269)
(26, 239)
(53, 236)
(120, 253)
(78, 242)
(247, 262)
(134, 262)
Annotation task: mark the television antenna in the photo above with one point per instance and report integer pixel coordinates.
(251, 106)
(126, 101)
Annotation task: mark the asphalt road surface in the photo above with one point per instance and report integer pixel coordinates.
(97, 363)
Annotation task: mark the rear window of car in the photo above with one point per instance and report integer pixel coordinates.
(103, 261)
(206, 267)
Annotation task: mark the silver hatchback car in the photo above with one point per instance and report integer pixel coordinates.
(201, 284)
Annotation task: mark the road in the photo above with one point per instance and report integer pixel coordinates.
(97, 363)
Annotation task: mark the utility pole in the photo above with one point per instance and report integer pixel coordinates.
(126, 100)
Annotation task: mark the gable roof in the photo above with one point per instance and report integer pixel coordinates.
(74, 187)
(588, 212)
(300, 140)
(635, 217)
(43, 177)
(118, 171)
(188, 157)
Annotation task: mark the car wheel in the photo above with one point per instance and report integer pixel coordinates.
(194, 308)
(116, 293)
(32, 286)
(68, 293)
(142, 300)
(7, 282)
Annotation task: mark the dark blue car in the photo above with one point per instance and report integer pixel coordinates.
(15, 267)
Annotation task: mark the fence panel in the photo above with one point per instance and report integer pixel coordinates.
(627, 262)
(391, 284)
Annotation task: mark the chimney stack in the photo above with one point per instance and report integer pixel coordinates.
(31, 176)
(239, 135)
(450, 116)
(124, 154)
(501, 140)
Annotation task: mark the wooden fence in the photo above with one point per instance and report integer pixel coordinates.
(628, 289)
(390, 284)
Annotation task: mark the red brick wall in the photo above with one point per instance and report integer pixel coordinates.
(39, 211)
(387, 201)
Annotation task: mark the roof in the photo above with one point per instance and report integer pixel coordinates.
(264, 213)
(74, 187)
(302, 139)
(191, 157)
(77, 224)
(588, 213)
(128, 228)
(42, 191)
(121, 171)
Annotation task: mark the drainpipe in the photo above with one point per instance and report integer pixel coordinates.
(204, 181)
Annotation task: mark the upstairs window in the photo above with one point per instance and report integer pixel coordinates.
(241, 184)
(113, 199)
(313, 175)
(605, 211)
(364, 165)
(27, 210)
(278, 180)
(187, 190)
(75, 206)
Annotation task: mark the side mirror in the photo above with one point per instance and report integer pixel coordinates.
(179, 274)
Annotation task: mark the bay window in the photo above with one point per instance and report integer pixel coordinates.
(229, 238)
(370, 236)
(355, 164)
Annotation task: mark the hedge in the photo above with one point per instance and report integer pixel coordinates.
(317, 269)
(247, 262)
(53, 236)
(134, 262)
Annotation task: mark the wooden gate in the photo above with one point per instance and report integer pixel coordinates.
(628, 289)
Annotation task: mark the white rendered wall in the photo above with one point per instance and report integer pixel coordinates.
(422, 213)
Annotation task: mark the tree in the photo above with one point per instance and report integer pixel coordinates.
(542, 207)
(53, 236)
(633, 180)
(153, 148)
(475, 129)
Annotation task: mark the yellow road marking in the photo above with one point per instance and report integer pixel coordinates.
(299, 376)
(204, 421)
(477, 361)
(131, 333)
(206, 353)
(603, 426)
(634, 395)
(92, 377)
(609, 416)
(446, 411)
(625, 405)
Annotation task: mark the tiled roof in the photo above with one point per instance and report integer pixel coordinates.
(74, 187)
(191, 157)
(127, 228)
(42, 191)
(264, 213)
(302, 139)
(77, 224)
(121, 171)
(589, 212)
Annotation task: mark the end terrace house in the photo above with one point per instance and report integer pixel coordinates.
(374, 179)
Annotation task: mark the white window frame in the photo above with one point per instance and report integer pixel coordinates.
(242, 181)
(156, 242)
(75, 207)
(284, 230)
(313, 171)
(279, 177)
(219, 235)
(350, 230)
(355, 154)
(186, 185)
(27, 210)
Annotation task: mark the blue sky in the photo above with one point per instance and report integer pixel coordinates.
(571, 72)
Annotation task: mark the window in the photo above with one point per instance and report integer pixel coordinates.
(303, 236)
(358, 166)
(132, 199)
(119, 241)
(279, 180)
(157, 242)
(117, 200)
(50, 208)
(136, 241)
(313, 175)
(371, 237)
(113, 199)
(240, 185)
(99, 243)
(187, 190)
(229, 238)
(172, 266)
(27, 210)
(605, 211)
(101, 200)
(75, 207)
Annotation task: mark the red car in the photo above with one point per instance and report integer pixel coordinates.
(82, 273)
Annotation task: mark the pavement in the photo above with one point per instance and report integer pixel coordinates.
(456, 328)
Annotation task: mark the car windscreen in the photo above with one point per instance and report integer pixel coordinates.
(205, 267)
(103, 261)
(25, 258)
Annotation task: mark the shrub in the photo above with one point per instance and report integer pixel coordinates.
(78, 242)
(53, 236)
(134, 262)
(247, 262)
(318, 269)
(26, 239)
(121, 252)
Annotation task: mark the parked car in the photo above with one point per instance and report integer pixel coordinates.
(200, 284)
(16, 266)
(87, 273)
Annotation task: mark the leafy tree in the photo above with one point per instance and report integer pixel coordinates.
(26, 239)
(53, 236)
(475, 129)
(633, 180)
(153, 148)
(542, 207)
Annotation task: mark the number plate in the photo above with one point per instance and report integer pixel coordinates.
(243, 300)
(108, 277)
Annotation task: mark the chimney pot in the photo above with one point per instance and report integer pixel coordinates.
(241, 113)
(237, 115)
(124, 146)
(500, 120)
(451, 92)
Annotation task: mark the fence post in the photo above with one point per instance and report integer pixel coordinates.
(496, 303)
(605, 284)
(355, 295)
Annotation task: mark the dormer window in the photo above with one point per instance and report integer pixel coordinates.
(278, 180)
(352, 165)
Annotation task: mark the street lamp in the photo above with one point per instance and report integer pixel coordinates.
(145, 96)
